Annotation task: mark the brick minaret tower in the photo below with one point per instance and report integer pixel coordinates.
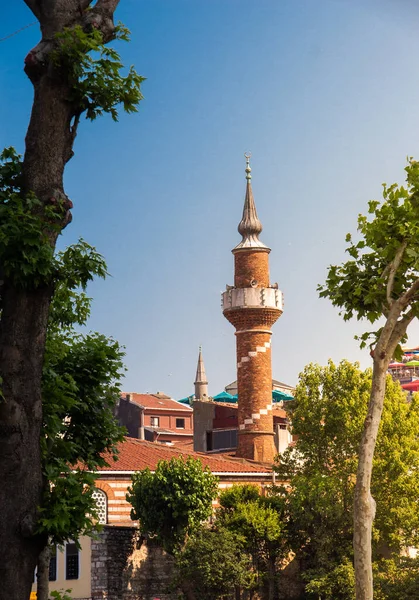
(201, 382)
(252, 305)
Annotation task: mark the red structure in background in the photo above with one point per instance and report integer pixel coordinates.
(155, 418)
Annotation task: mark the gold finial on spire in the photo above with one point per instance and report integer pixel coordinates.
(248, 169)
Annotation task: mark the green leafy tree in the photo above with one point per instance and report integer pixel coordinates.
(397, 578)
(173, 501)
(80, 388)
(259, 521)
(337, 582)
(213, 565)
(327, 416)
(380, 283)
(73, 72)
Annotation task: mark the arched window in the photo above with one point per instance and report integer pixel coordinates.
(101, 505)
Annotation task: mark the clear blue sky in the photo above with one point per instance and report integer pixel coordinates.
(324, 94)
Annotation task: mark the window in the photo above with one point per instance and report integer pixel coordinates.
(180, 423)
(71, 561)
(53, 564)
(154, 421)
(101, 505)
(222, 439)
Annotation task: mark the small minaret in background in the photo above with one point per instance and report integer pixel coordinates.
(201, 383)
(252, 305)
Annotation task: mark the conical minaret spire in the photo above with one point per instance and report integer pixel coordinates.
(249, 227)
(201, 383)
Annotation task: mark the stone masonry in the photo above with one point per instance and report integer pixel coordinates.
(125, 567)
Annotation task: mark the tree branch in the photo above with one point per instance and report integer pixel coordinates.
(409, 295)
(394, 265)
(401, 328)
(33, 5)
(108, 6)
(101, 18)
(84, 4)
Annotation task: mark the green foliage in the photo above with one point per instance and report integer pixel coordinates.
(212, 564)
(260, 523)
(61, 595)
(359, 286)
(335, 584)
(328, 414)
(80, 387)
(94, 72)
(173, 501)
(26, 255)
(397, 579)
(253, 517)
(238, 494)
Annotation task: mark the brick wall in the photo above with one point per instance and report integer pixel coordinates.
(251, 266)
(254, 383)
(124, 567)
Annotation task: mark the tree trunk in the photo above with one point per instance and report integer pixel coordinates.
(42, 576)
(364, 504)
(22, 338)
(24, 311)
(271, 577)
(23, 329)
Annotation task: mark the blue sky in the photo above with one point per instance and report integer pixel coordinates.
(324, 94)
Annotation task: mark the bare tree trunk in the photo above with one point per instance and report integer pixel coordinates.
(42, 576)
(364, 504)
(22, 337)
(24, 312)
(271, 577)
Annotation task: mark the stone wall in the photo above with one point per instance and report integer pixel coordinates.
(125, 567)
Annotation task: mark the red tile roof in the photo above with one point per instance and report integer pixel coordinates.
(159, 401)
(135, 455)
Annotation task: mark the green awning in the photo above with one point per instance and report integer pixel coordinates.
(224, 397)
(278, 396)
(187, 400)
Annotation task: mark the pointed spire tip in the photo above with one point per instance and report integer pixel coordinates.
(248, 169)
(249, 227)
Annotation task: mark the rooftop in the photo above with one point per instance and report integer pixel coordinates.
(155, 401)
(135, 455)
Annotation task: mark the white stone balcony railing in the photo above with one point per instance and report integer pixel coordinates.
(252, 298)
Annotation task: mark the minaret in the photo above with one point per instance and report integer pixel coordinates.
(201, 383)
(252, 305)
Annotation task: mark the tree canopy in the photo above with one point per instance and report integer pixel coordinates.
(80, 388)
(380, 281)
(173, 501)
(327, 419)
(260, 522)
(212, 564)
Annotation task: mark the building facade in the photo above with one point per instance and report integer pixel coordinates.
(155, 418)
(118, 565)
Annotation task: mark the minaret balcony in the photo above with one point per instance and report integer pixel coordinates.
(253, 297)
